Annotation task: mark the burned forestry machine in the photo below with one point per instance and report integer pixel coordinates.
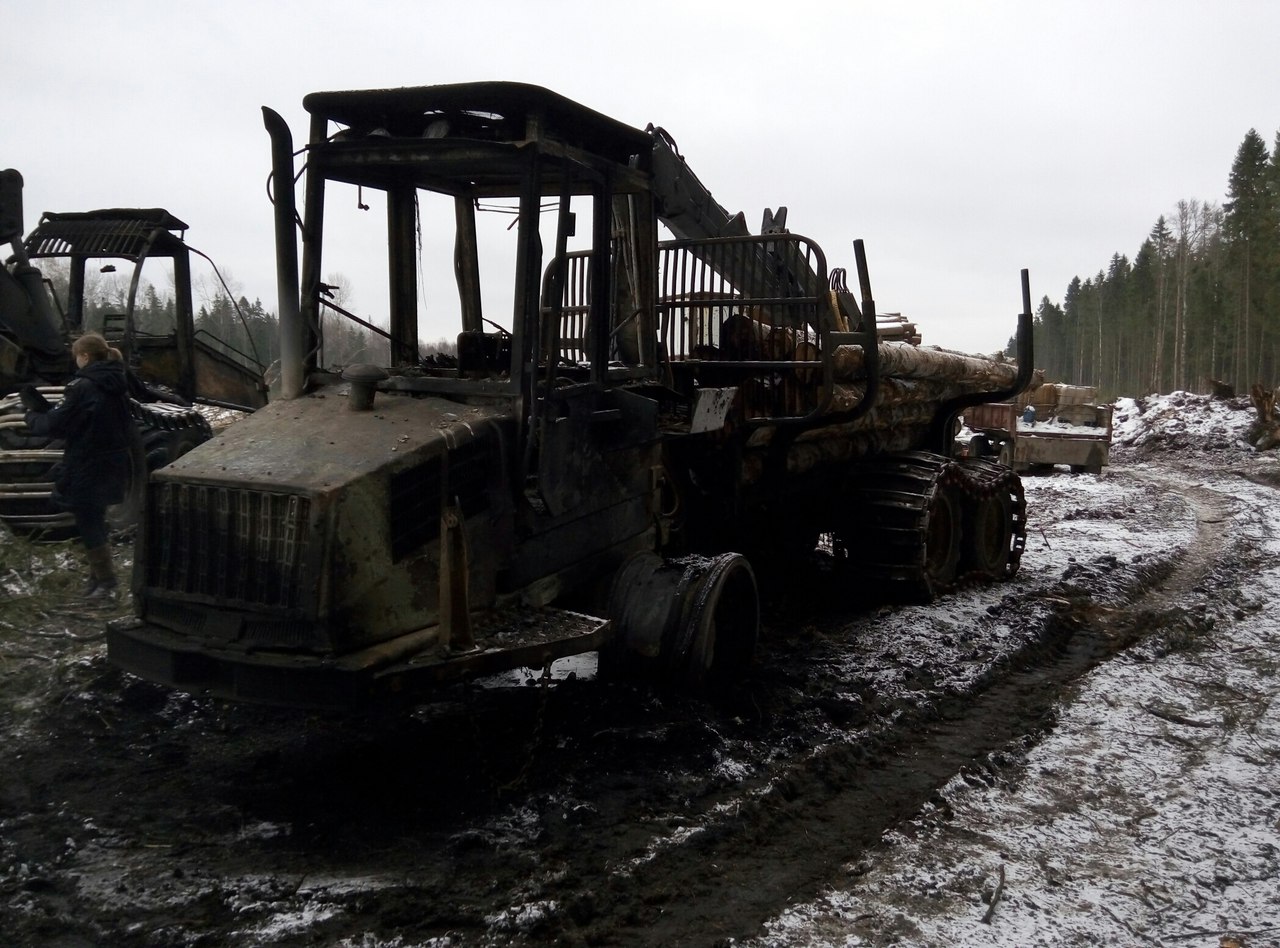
(171, 363)
(634, 426)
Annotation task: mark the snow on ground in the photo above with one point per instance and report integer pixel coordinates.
(1156, 419)
(1150, 813)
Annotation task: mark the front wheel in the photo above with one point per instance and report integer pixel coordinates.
(686, 623)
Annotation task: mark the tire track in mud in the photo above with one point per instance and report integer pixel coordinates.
(624, 832)
(758, 853)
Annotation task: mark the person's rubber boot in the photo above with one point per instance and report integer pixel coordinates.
(102, 581)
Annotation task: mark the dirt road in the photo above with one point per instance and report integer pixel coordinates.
(575, 812)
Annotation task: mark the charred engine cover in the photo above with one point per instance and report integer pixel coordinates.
(317, 529)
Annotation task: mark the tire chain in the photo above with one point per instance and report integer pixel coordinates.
(168, 417)
(971, 478)
(979, 478)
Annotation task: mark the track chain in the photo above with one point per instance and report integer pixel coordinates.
(985, 477)
(892, 501)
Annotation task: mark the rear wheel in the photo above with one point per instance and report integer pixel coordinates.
(942, 538)
(901, 529)
(993, 518)
(988, 529)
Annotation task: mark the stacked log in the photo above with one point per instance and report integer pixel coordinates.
(809, 454)
(899, 421)
(743, 339)
(914, 381)
(894, 327)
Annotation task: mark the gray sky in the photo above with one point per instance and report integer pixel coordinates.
(960, 141)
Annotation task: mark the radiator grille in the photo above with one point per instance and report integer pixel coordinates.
(236, 545)
(416, 495)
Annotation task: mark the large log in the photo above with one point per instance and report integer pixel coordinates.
(749, 340)
(907, 373)
(899, 391)
(903, 360)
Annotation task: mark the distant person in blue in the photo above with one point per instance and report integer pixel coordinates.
(93, 420)
(1029, 415)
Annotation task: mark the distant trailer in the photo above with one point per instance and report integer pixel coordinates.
(1075, 435)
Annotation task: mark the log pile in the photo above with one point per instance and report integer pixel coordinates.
(778, 374)
(1049, 397)
(894, 327)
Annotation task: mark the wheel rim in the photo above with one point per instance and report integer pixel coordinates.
(723, 622)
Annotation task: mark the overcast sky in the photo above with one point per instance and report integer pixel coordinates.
(960, 141)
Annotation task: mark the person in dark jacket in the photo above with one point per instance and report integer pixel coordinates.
(93, 420)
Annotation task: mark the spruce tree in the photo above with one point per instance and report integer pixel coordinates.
(1250, 222)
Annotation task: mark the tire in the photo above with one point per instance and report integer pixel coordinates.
(987, 532)
(901, 527)
(169, 432)
(165, 447)
(721, 627)
(993, 520)
(942, 538)
(685, 624)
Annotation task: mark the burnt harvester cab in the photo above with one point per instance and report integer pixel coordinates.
(626, 417)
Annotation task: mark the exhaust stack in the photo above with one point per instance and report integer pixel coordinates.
(292, 372)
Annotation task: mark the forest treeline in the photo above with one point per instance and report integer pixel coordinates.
(1200, 299)
(246, 327)
(244, 330)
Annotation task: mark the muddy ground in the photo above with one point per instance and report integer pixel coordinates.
(580, 812)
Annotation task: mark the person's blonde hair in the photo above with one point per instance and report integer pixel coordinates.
(95, 347)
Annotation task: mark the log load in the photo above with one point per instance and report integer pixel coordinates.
(914, 382)
(899, 421)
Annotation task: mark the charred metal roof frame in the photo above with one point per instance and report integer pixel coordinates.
(509, 112)
(129, 233)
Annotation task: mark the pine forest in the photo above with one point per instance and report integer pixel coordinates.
(1199, 302)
